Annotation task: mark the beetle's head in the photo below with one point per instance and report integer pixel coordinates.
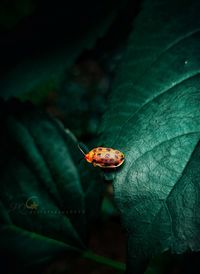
(89, 157)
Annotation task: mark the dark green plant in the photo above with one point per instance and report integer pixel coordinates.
(152, 116)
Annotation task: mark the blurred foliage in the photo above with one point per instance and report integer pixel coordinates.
(44, 59)
(39, 49)
(82, 97)
(48, 201)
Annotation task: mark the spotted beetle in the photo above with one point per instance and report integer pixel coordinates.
(104, 157)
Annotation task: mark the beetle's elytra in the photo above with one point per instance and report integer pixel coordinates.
(104, 157)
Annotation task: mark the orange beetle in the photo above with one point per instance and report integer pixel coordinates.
(104, 157)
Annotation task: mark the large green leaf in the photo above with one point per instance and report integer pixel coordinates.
(47, 203)
(154, 118)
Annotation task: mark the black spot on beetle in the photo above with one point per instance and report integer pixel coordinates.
(100, 149)
(116, 157)
(117, 151)
(108, 149)
(98, 154)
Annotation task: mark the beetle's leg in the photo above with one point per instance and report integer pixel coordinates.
(94, 164)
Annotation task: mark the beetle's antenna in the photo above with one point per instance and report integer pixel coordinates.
(81, 149)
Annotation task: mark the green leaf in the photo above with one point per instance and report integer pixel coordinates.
(153, 117)
(46, 203)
